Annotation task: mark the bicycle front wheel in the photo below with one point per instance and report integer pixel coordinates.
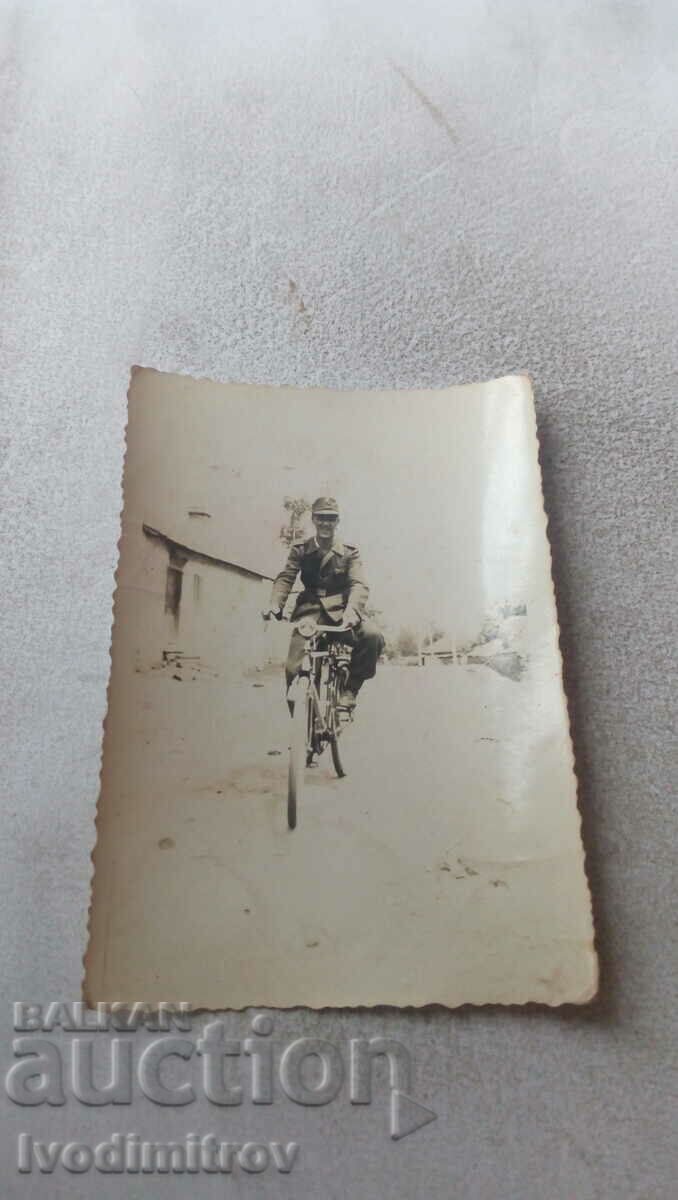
(298, 749)
(336, 756)
(334, 722)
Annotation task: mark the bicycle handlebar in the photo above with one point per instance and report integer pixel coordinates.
(318, 629)
(333, 628)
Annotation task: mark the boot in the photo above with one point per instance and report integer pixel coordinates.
(348, 697)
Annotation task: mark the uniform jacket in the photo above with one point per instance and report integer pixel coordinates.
(332, 580)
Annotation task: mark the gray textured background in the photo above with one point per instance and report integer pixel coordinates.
(456, 191)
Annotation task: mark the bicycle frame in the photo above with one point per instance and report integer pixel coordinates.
(336, 654)
(309, 692)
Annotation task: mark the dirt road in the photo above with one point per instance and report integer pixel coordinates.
(422, 846)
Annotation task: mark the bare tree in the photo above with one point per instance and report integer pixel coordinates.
(296, 508)
(376, 615)
(435, 634)
(407, 642)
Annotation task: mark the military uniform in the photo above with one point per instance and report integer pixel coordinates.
(333, 582)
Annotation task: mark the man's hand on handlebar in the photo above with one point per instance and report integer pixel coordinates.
(272, 612)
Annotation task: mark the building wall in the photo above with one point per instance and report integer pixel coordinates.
(217, 619)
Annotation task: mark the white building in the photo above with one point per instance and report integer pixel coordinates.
(180, 601)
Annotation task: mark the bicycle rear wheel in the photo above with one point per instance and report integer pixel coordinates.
(297, 763)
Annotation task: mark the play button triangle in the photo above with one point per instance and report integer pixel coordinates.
(407, 1115)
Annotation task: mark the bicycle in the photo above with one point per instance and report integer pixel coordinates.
(313, 696)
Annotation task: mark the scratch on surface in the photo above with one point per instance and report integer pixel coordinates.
(296, 300)
(391, 200)
(437, 113)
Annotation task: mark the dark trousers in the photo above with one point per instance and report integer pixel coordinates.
(367, 647)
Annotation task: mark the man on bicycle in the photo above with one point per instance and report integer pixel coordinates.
(334, 593)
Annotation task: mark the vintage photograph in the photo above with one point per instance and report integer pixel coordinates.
(337, 766)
